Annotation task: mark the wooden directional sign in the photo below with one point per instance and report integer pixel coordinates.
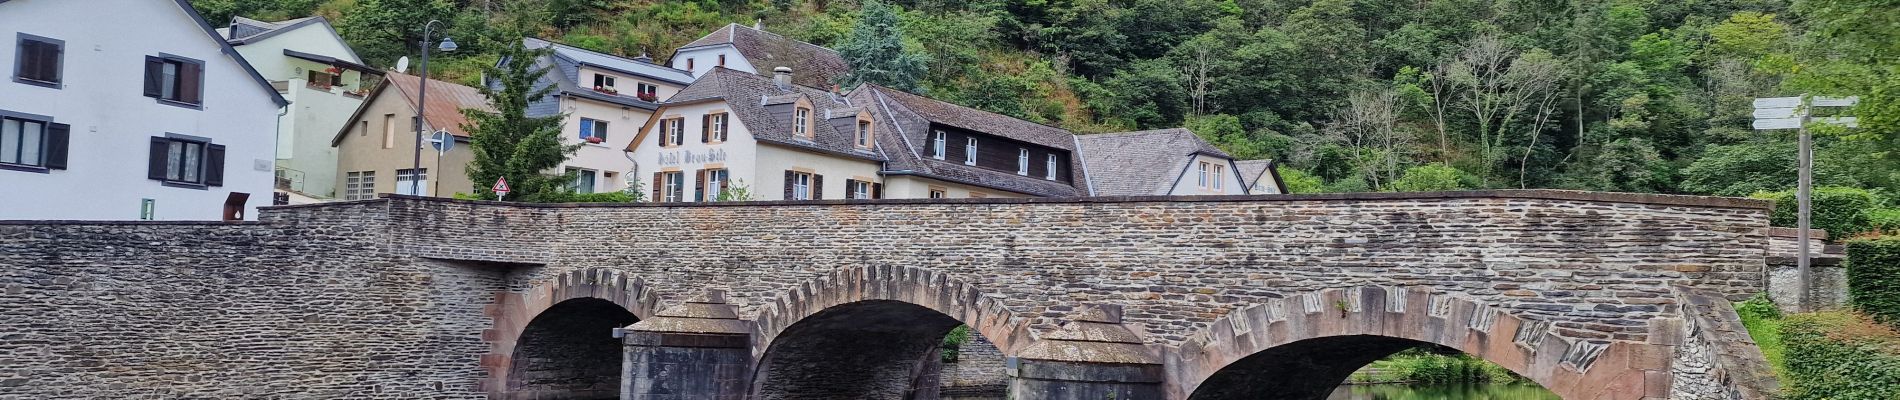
(1824, 101)
(1788, 113)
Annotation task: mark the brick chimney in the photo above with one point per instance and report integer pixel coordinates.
(783, 77)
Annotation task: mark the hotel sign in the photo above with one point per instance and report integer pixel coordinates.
(680, 157)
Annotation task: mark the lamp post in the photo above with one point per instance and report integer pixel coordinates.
(422, 100)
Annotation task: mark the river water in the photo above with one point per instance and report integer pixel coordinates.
(1517, 391)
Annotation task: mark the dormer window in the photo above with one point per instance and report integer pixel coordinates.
(645, 90)
(1203, 174)
(937, 144)
(801, 123)
(1022, 162)
(969, 152)
(1219, 179)
(722, 60)
(864, 134)
(603, 81)
(689, 64)
(1050, 169)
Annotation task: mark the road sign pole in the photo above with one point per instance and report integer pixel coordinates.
(1803, 196)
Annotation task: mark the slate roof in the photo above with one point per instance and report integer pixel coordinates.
(906, 120)
(813, 65)
(446, 101)
(747, 93)
(1253, 170)
(1140, 163)
(565, 62)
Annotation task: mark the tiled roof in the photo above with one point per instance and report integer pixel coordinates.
(814, 65)
(904, 139)
(772, 123)
(1140, 163)
(446, 101)
(1252, 170)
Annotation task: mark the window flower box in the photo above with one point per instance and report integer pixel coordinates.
(595, 139)
(649, 97)
(607, 90)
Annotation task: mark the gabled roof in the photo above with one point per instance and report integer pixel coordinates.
(613, 63)
(262, 83)
(1260, 172)
(904, 135)
(748, 94)
(814, 65)
(1141, 163)
(245, 31)
(446, 101)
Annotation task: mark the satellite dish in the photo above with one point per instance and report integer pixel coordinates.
(442, 142)
(402, 65)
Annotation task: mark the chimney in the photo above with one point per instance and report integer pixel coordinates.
(783, 77)
(758, 24)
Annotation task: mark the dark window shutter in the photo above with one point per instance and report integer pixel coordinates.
(659, 181)
(58, 136)
(214, 165)
(877, 190)
(817, 187)
(155, 167)
(699, 185)
(790, 178)
(190, 82)
(154, 72)
(705, 129)
(850, 188)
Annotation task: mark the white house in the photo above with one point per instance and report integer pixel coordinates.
(604, 99)
(1169, 162)
(752, 50)
(129, 109)
(323, 79)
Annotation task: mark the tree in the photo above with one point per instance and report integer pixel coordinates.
(1369, 124)
(875, 50)
(1431, 178)
(382, 30)
(1498, 86)
(509, 143)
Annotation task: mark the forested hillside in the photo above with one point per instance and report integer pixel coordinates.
(1357, 95)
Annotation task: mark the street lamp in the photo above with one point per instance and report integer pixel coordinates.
(422, 98)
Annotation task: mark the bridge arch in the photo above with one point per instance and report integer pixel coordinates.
(870, 332)
(546, 327)
(1271, 350)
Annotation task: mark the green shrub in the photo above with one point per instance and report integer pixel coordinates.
(1424, 367)
(1298, 182)
(1842, 211)
(1433, 178)
(953, 342)
(1884, 221)
(1763, 321)
(1840, 355)
(1873, 277)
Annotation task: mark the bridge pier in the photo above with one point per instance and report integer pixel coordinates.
(1094, 357)
(698, 350)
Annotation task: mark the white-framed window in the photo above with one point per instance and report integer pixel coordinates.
(1022, 162)
(584, 179)
(674, 188)
(185, 160)
(674, 132)
(646, 89)
(938, 193)
(969, 152)
(801, 185)
(602, 81)
(359, 185)
(22, 142)
(861, 189)
(864, 134)
(1220, 180)
(717, 125)
(1203, 175)
(593, 128)
(1049, 170)
(175, 80)
(716, 181)
(801, 122)
(937, 144)
(412, 182)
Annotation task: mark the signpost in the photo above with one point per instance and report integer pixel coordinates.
(501, 188)
(442, 142)
(1790, 113)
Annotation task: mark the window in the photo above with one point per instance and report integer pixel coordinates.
(714, 128)
(193, 161)
(362, 128)
(1220, 181)
(722, 60)
(864, 134)
(712, 185)
(1049, 170)
(32, 143)
(800, 185)
(937, 144)
(389, 131)
(174, 79)
(673, 186)
(413, 182)
(969, 152)
(1203, 175)
(593, 129)
(644, 89)
(801, 123)
(672, 132)
(583, 180)
(323, 79)
(937, 193)
(603, 81)
(862, 190)
(1022, 162)
(359, 185)
(38, 61)
(689, 64)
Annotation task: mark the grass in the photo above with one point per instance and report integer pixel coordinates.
(1763, 321)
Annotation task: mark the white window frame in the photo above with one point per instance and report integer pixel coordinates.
(1022, 161)
(864, 134)
(185, 161)
(675, 132)
(14, 131)
(938, 144)
(801, 122)
(1219, 183)
(719, 127)
(640, 88)
(599, 129)
(1050, 169)
(359, 185)
(861, 190)
(1203, 175)
(801, 185)
(938, 193)
(714, 179)
(603, 80)
(969, 152)
(675, 187)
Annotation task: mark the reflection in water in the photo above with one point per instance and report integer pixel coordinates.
(1515, 391)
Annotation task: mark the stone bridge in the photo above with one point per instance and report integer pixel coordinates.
(1592, 295)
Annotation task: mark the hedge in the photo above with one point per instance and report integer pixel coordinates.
(1840, 355)
(1885, 221)
(1842, 211)
(1873, 277)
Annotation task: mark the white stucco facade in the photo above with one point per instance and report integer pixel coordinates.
(759, 167)
(305, 160)
(608, 159)
(113, 123)
(917, 187)
(705, 58)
